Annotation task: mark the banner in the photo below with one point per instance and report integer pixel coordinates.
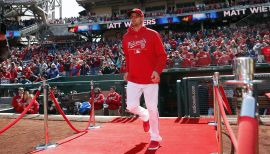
(173, 19)
(246, 11)
(147, 22)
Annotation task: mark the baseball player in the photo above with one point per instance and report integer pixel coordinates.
(145, 60)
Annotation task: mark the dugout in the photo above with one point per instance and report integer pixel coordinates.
(173, 94)
(195, 94)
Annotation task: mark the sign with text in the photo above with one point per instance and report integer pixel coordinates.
(147, 22)
(246, 11)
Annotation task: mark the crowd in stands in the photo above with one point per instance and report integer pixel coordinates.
(205, 48)
(91, 17)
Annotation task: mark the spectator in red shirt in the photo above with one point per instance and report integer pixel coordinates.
(216, 55)
(4, 75)
(13, 72)
(114, 102)
(203, 58)
(17, 101)
(224, 59)
(27, 72)
(98, 101)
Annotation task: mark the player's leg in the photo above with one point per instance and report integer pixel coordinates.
(134, 92)
(151, 99)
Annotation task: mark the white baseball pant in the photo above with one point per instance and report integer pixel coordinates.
(150, 91)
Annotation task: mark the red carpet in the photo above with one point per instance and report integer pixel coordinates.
(126, 136)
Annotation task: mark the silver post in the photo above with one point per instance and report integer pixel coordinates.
(93, 126)
(47, 145)
(243, 70)
(218, 114)
(45, 113)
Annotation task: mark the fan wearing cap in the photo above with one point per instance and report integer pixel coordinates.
(145, 59)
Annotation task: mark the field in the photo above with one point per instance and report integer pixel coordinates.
(27, 134)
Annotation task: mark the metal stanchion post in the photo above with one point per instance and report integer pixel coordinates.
(93, 126)
(47, 145)
(244, 68)
(219, 121)
(214, 123)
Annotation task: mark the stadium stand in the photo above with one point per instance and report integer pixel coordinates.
(75, 52)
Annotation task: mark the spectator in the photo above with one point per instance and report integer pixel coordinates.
(216, 55)
(27, 98)
(53, 72)
(67, 67)
(5, 74)
(224, 60)
(13, 72)
(51, 106)
(113, 101)
(17, 101)
(203, 58)
(98, 101)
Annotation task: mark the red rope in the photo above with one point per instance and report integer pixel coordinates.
(64, 116)
(22, 114)
(225, 100)
(224, 117)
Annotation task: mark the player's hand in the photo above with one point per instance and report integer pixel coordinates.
(126, 76)
(155, 77)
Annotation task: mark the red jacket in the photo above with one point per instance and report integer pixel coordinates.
(204, 58)
(17, 104)
(99, 100)
(113, 100)
(186, 63)
(224, 60)
(216, 56)
(144, 52)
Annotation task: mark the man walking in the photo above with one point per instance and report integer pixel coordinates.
(145, 60)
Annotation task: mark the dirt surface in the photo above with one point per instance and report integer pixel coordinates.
(27, 134)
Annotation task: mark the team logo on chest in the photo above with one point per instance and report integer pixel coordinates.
(138, 44)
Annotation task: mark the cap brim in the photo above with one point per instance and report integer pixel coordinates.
(132, 11)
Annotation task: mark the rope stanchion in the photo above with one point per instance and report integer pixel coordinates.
(217, 115)
(22, 114)
(64, 116)
(244, 68)
(224, 117)
(92, 112)
(46, 145)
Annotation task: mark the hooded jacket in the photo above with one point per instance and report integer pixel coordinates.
(145, 53)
